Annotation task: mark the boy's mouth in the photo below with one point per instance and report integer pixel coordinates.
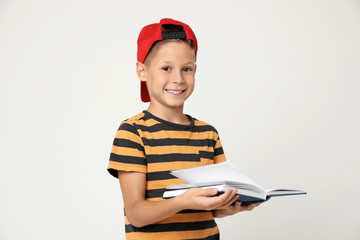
(174, 91)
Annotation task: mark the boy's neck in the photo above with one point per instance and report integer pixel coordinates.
(174, 115)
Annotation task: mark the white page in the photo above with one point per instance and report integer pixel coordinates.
(284, 192)
(214, 172)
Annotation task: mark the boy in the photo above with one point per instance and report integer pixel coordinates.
(162, 138)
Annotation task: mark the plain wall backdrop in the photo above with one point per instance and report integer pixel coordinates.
(279, 80)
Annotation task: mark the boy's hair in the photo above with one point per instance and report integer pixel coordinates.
(154, 34)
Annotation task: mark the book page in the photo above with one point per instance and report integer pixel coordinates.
(224, 171)
(284, 192)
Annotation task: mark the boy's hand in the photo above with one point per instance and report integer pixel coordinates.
(232, 209)
(205, 199)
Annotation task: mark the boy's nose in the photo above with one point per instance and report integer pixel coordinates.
(177, 77)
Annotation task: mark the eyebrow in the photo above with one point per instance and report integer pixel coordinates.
(169, 62)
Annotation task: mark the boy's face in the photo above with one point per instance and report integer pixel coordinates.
(169, 75)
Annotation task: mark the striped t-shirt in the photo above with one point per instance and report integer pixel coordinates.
(148, 144)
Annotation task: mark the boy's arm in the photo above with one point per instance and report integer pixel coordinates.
(141, 212)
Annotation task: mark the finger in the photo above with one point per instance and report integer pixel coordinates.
(249, 207)
(218, 202)
(236, 205)
(233, 201)
(227, 196)
(222, 199)
(254, 205)
(234, 196)
(208, 192)
(235, 208)
(229, 200)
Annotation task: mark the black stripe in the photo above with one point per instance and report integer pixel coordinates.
(163, 175)
(179, 142)
(128, 127)
(127, 159)
(205, 128)
(159, 127)
(167, 227)
(218, 151)
(119, 142)
(155, 193)
(171, 124)
(175, 157)
(206, 154)
(164, 127)
(192, 211)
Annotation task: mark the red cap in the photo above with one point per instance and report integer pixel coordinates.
(152, 33)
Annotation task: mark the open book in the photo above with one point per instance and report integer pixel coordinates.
(223, 176)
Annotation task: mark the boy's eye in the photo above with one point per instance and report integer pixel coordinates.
(166, 68)
(187, 69)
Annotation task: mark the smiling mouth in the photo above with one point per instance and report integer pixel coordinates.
(174, 91)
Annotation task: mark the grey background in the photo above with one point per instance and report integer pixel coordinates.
(278, 79)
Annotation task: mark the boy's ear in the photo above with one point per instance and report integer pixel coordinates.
(141, 71)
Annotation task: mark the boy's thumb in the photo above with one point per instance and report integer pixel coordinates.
(210, 191)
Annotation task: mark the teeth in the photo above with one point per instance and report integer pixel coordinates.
(175, 92)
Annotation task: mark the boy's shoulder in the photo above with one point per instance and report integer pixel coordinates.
(135, 119)
(200, 123)
(203, 124)
(146, 119)
(141, 119)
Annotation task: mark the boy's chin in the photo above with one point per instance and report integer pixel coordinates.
(174, 104)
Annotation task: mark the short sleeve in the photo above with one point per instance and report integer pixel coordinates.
(219, 155)
(127, 153)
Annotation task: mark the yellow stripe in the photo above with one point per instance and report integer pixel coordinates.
(218, 144)
(126, 220)
(128, 167)
(184, 217)
(135, 118)
(156, 199)
(123, 134)
(125, 151)
(163, 183)
(205, 161)
(148, 123)
(179, 134)
(175, 149)
(157, 167)
(164, 166)
(219, 158)
(188, 217)
(200, 123)
(173, 235)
